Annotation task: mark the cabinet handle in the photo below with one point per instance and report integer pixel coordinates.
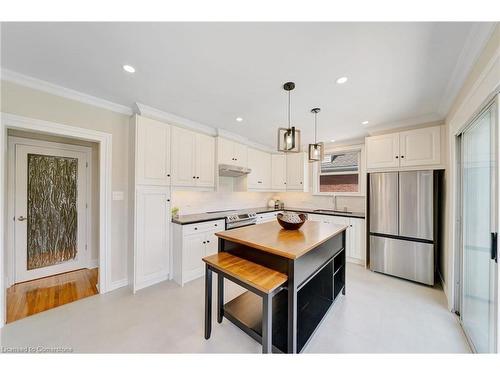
(204, 242)
(195, 228)
(194, 177)
(301, 182)
(198, 177)
(168, 200)
(168, 174)
(215, 224)
(402, 156)
(397, 157)
(208, 241)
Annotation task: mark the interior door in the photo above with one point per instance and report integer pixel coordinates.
(479, 196)
(50, 211)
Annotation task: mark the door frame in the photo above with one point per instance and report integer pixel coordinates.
(11, 121)
(492, 102)
(12, 141)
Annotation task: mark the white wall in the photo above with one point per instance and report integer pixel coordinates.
(24, 101)
(482, 81)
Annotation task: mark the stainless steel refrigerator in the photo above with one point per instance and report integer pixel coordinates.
(402, 222)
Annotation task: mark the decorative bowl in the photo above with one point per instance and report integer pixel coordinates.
(291, 226)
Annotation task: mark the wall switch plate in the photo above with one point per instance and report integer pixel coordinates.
(118, 195)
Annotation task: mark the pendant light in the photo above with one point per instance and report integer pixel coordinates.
(316, 149)
(289, 138)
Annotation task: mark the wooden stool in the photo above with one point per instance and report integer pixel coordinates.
(258, 279)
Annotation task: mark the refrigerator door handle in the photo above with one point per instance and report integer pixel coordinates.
(494, 246)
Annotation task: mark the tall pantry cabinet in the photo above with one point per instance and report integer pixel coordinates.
(152, 179)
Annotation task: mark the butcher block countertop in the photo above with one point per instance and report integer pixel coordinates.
(272, 238)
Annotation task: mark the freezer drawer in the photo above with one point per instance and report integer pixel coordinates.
(407, 259)
(416, 204)
(384, 203)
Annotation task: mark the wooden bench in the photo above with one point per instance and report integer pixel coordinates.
(258, 279)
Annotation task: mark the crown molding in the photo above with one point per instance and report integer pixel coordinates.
(157, 114)
(474, 44)
(429, 119)
(239, 138)
(51, 88)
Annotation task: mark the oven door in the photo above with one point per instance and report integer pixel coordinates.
(240, 224)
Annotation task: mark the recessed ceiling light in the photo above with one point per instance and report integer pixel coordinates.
(239, 119)
(342, 80)
(129, 68)
(365, 122)
(333, 140)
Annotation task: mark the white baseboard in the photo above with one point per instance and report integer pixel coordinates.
(118, 284)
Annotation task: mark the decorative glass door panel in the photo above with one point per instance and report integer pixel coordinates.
(52, 210)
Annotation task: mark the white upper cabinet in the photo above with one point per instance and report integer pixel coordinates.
(382, 151)
(230, 152)
(193, 159)
(260, 164)
(205, 157)
(183, 157)
(278, 172)
(420, 147)
(411, 148)
(152, 152)
(296, 172)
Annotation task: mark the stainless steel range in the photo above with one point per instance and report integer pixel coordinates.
(241, 220)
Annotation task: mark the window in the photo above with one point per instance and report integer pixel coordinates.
(339, 172)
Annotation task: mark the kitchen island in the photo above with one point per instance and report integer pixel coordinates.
(312, 257)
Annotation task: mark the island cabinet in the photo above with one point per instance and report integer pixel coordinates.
(313, 258)
(191, 243)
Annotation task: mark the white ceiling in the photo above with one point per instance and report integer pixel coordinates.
(399, 73)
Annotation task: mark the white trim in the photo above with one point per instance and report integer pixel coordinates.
(11, 142)
(105, 169)
(51, 88)
(93, 263)
(170, 118)
(478, 36)
(423, 121)
(118, 284)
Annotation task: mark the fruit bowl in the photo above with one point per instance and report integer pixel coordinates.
(289, 221)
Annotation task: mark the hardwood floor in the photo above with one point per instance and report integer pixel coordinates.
(31, 297)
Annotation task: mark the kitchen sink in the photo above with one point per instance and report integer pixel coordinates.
(334, 211)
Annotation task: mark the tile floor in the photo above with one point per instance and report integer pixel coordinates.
(378, 314)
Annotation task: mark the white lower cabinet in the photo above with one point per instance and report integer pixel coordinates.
(355, 235)
(152, 230)
(192, 242)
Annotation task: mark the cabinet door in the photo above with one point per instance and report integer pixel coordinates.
(265, 161)
(183, 157)
(225, 151)
(240, 154)
(295, 171)
(193, 252)
(254, 163)
(278, 172)
(382, 151)
(212, 244)
(420, 147)
(152, 152)
(356, 245)
(151, 253)
(205, 160)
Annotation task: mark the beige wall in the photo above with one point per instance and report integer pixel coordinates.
(28, 102)
(482, 81)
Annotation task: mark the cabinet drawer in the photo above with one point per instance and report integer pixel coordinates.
(207, 226)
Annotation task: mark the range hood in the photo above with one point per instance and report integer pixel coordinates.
(228, 170)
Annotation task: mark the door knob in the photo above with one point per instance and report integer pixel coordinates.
(22, 218)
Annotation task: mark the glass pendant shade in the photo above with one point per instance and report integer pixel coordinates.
(316, 151)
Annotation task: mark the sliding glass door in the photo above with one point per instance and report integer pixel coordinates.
(479, 213)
